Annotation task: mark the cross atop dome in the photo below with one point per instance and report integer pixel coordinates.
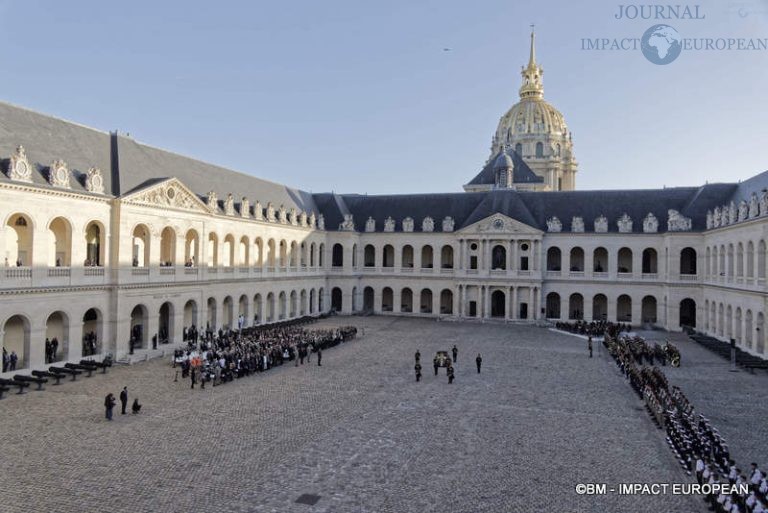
(532, 74)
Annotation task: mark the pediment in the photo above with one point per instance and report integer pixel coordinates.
(499, 223)
(170, 193)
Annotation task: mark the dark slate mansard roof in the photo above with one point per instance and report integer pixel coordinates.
(126, 165)
(522, 172)
(129, 166)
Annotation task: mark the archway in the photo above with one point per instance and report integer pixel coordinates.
(599, 307)
(624, 308)
(387, 299)
(294, 304)
(688, 261)
(229, 308)
(165, 323)
(282, 304)
(369, 256)
(303, 303)
(354, 299)
(19, 234)
(94, 247)
(168, 247)
(577, 260)
(190, 313)
(243, 319)
(446, 257)
(600, 260)
(760, 333)
(16, 340)
(388, 256)
(446, 302)
(258, 313)
(426, 301)
(138, 333)
(336, 299)
(141, 243)
(406, 300)
(60, 243)
(57, 335)
(498, 303)
(553, 305)
(212, 320)
(312, 301)
(576, 306)
(426, 257)
(92, 332)
(191, 249)
(321, 300)
(270, 307)
(650, 261)
(554, 257)
(624, 260)
(337, 258)
(407, 254)
(648, 310)
(368, 299)
(688, 313)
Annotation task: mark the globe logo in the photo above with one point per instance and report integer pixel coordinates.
(661, 44)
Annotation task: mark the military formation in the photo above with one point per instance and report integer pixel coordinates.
(697, 444)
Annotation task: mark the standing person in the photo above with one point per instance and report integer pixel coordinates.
(124, 399)
(450, 374)
(13, 360)
(418, 356)
(455, 351)
(319, 356)
(589, 345)
(192, 373)
(309, 351)
(6, 360)
(418, 371)
(479, 362)
(109, 403)
(436, 364)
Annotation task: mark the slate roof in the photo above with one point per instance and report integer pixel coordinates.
(522, 173)
(128, 166)
(531, 208)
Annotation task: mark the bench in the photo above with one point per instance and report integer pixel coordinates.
(13, 383)
(43, 374)
(100, 365)
(31, 379)
(81, 367)
(3, 390)
(66, 370)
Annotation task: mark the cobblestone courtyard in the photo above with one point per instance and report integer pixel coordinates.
(360, 433)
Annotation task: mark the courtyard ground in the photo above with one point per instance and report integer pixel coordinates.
(364, 436)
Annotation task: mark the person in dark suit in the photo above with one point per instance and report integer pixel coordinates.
(418, 371)
(455, 351)
(450, 374)
(479, 362)
(123, 399)
(319, 356)
(136, 408)
(418, 356)
(589, 345)
(436, 364)
(109, 403)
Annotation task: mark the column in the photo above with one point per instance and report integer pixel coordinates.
(514, 265)
(486, 301)
(513, 302)
(533, 314)
(538, 302)
(588, 308)
(460, 256)
(565, 307)
(457, 301)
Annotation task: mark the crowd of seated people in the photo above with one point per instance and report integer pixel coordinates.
(219, 357)
(699, 447)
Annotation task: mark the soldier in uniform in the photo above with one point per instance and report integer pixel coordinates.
(455, 353)
(418, 356)
(479, 362)
(418, 371)
(437, 365)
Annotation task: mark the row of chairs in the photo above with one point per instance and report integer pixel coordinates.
(39, 377)
(744, 359)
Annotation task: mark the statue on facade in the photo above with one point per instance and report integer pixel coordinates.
(554, 225)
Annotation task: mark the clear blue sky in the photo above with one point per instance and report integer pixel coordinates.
(359, 96)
